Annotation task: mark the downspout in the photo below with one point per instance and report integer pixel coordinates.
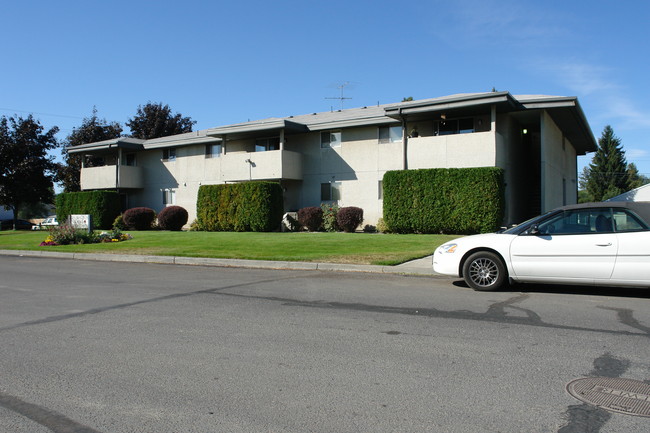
(117, 169)
(405, 163)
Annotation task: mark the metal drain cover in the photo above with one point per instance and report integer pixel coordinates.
(626, 396)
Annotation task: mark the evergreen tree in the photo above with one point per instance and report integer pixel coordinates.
(156, 120)
(26, 170)
(636, 179)
(92, 129)
(607, 175)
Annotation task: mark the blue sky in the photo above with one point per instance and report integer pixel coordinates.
(227, 62)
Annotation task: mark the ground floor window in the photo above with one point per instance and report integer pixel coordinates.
(330, 191)
(168, 196)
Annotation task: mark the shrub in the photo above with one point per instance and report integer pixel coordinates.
(103, 206)
(139, 218)
(67, 235)
(382, 227)
(349, 218)
(444, 200)
(172, 218)
(248, 206)
(311, 218)
(369, 228)
(329, 217)
(119, 223)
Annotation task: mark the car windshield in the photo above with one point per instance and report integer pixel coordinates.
(519, 228)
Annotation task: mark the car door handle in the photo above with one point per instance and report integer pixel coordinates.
(608, 244)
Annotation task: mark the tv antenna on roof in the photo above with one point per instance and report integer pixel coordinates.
(341, 98)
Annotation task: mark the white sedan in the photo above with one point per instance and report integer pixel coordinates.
(605, 243)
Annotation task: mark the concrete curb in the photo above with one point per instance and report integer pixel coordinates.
(226, 263)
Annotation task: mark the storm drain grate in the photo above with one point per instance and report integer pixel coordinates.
(626, 396)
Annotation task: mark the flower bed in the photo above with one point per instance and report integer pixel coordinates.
(68, 235)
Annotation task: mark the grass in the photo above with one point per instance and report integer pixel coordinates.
(358, 248)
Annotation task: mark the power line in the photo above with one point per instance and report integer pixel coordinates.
(40, 114)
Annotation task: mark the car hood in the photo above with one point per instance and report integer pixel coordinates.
(496, 241)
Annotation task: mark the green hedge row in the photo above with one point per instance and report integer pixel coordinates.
(240, 207)
(444, 200)
(104, 206)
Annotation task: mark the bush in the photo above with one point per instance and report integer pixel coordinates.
(119, 223)
(248, 206)
(311, 218)
(103, 206)
(172, 218)
(329, 217)
(68, 235)
(444, 200)
(382, 227)
(349, 218)
(369, 228)
(139, 218)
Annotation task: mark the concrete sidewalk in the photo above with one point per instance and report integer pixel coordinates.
(414, 267)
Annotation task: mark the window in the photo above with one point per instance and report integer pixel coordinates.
(624, 221)
(380, 190)
(266, 144)
(330, 191)
(169, 196)
(390, 134)
(454, 126)
(169, 154)
(330, 139)
(212, 150)
(581, 221)
(130, 159)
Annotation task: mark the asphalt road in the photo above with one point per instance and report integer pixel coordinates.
(118, 347)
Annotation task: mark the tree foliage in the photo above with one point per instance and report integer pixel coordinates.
(92, 129)
(156, 120)
(26, 170)
(609, 174)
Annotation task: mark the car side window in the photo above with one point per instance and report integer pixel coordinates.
(625, 221)
(581, 221)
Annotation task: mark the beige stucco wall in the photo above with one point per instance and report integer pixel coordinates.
(558, 166)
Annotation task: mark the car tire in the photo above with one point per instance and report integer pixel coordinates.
(484, 271)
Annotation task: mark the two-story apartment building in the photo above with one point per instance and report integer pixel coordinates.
(342, 155)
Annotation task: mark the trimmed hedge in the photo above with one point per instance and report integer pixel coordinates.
(240, 207)
(139, 218)
(444, 200)
(104, 206)
(311, 217)
(172, 218)
(349, 218)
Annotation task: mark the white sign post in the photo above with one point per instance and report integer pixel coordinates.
(82, 222)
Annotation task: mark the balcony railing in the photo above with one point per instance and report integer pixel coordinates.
(108, 177)
(273, 164)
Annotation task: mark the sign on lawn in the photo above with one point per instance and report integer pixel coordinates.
(82, 222)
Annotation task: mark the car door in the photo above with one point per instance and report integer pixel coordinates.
(633, 260)
(574, 246)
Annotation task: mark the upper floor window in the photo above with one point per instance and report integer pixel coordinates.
(169, 154)
(212, 150)
(454, 126)
(390, 134)
(265, 144)
(129, 159)
(330, 139)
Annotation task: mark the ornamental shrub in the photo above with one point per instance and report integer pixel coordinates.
(248, 206)
(139, 218)
(103, 206)
(329, 217)
(119, 223)
(444, 200)
(172, 218)
(349, 218)
(311, 218)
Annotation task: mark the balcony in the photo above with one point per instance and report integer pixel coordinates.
(270, 165)
(111, 177)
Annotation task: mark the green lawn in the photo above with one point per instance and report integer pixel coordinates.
(360, 248)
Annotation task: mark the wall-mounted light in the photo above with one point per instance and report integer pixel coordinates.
(524, 131)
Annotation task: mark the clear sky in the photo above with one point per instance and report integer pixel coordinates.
(223, 62)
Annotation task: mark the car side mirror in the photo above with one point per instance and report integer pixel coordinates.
(534, 230)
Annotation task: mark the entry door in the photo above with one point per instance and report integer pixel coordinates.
(574, 245)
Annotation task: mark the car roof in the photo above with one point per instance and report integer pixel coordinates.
(640, 208)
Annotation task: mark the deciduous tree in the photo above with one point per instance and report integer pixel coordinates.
(156, 120)
(92, 129)
(26, 170)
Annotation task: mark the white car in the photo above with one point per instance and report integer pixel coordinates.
(47, 222)
(606, 243)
